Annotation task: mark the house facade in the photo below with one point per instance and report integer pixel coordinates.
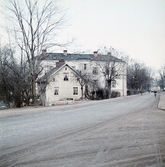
(85, 66)
(60, 83)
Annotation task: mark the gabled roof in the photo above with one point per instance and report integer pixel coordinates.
(61, 56)
(54, 71)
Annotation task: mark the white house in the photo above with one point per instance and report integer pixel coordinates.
(72, 66)
(60, 83)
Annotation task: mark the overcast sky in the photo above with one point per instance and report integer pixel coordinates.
(136, 27)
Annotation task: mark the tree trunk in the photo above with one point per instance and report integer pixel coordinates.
(33, 89)
(82, 92)
(109, 89)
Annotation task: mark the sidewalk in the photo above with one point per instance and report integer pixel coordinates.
(39, 109)
(161, 104)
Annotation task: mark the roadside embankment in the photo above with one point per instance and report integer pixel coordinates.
(161, 104)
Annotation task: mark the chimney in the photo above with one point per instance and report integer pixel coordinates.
(65, 52)
(95, 53)
(44, 51)
(60, 63)
(109, 54)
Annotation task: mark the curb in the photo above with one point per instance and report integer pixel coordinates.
(159, 106)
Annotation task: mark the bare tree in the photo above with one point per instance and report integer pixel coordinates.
(42, 84)
(34, 25)
(138, 76)
(86, 80)
(13, 79)
(5, 54)
(83, 79)
(112, 69)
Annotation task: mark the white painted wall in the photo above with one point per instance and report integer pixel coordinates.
(65, 87)
(121, 85)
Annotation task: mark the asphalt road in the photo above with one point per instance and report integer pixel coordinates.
(124, 132)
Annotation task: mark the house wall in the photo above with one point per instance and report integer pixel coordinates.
(47, 66)
(121, 86)
(79, 65)
(121, 83)
(65, 87)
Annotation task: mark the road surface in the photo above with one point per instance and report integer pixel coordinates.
(126, 132)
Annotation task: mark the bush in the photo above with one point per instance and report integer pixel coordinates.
(115, 94)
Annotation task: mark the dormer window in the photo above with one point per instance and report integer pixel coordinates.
(65, 68)
(66, 76)
(56, 90)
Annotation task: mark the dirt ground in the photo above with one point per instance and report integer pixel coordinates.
(136, 139)
(132, 139)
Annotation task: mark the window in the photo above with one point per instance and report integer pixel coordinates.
(66, 75)
(113, 84)
(85, 66)
(107, 71)
(95, 71)
(95, 81)
(75, 90)
(56, 90)
(53, 80)
(65, 68)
